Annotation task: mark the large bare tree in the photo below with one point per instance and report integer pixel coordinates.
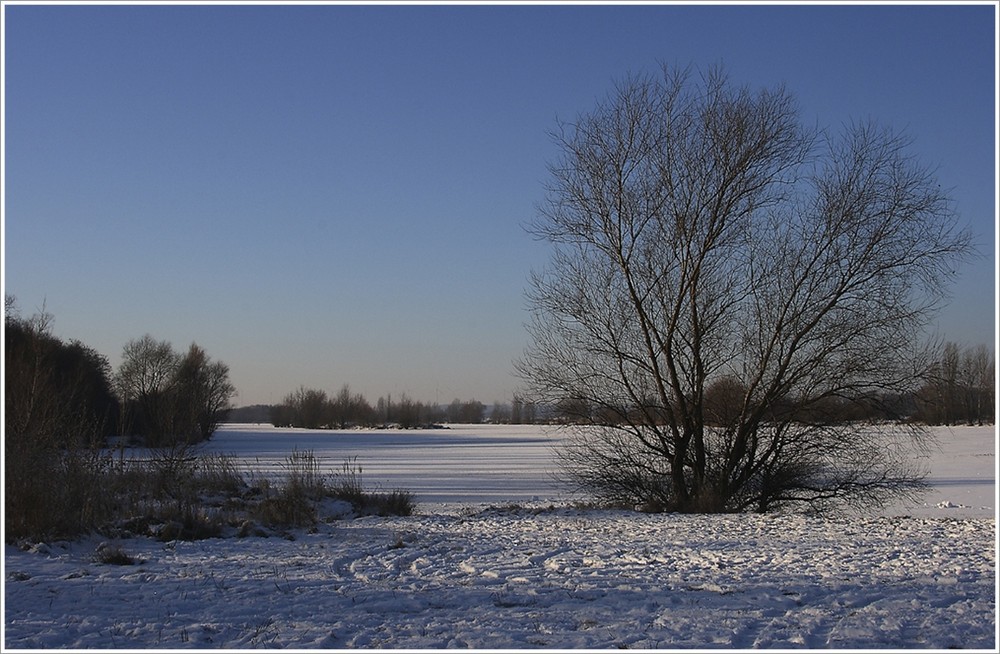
(724, 280)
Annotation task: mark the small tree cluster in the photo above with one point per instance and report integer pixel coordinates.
(470, 412)
(518, 412)
(169, 398)
(960, 388)
(313, 409)
(407, 413)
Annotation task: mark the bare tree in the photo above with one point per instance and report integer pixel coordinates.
(708, 248)
(947, 376)
(979, 370)
(202, 395)
(340, 407)
(145, 381)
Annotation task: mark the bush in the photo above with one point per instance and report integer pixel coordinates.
(292, 501)
(283, 506)
(113, 555)
(188, 522)
(396, 502)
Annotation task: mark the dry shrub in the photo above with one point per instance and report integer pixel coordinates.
(113, 555)
(292, 502)
(396, 502)
(172, 494)
(50, 493)
(349, 487)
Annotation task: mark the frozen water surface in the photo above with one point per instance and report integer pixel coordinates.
(459, 465)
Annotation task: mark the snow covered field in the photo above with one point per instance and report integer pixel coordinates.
(472, 571)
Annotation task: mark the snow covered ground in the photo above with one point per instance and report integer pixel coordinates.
(473, 571)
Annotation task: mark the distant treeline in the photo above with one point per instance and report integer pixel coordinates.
(314, 409)
(959, 390)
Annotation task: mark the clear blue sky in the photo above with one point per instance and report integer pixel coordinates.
(323, 195)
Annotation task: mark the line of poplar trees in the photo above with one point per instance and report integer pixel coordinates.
(960, 388)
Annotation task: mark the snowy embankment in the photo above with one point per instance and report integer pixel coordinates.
(462, 575)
